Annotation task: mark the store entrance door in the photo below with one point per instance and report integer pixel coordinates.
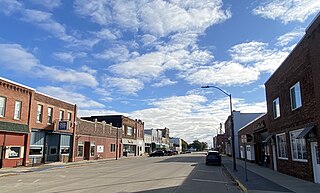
(1, 152)
(87, 150)
(315, 161)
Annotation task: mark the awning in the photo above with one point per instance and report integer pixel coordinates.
(305, 131)
(267, 139)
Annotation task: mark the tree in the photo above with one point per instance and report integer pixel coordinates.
(199, 146)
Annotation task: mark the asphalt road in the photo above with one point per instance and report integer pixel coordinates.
(179, 174)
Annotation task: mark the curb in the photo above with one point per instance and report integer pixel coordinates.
(241, 186)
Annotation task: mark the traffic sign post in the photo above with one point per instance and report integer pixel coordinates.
(244, 140)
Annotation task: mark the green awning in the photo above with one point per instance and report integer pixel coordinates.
(14, 127)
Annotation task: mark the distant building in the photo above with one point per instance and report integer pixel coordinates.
(132, 132)
(239, 120)
(175, 144)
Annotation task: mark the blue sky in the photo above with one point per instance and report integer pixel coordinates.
(148, 59)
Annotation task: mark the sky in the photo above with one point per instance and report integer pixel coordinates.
(148, 59)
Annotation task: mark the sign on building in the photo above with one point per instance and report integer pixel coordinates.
(100, 149)
(63, 125)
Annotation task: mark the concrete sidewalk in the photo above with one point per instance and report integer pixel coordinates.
(265, 180)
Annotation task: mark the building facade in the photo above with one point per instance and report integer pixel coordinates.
(175, 144)
(97, 140)
(239, 120)
(15, 111)
(132, 132)
(293, 100)
(52, 124)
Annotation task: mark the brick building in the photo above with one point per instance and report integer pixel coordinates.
(293, 100)
(52, 127)
(132, 132)
(14, 119)
(97, 140)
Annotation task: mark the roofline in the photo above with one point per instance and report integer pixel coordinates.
(54, 97)
(303, 37)
(18, 84)
(263, 114)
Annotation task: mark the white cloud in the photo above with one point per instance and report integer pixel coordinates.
(118, 53)
(285, 39)
(164, 82)
(222, 73)
(128, 86)
(258, 55)
(287, 10)
(192, 113)
(68, 95)
(9, 7)
(15, 57)
(68, 56)
(106, 34)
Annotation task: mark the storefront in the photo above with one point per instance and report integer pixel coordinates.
(13, 139)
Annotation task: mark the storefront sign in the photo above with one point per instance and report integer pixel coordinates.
(63, 125)
(100, 149)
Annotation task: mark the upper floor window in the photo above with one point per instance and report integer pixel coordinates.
(129, 131)
(50, 112)
(282, 146)
(17, 110)
(2, 106)
(69, 116)
(298, 146)
(295, 96)
(276, 108)
(40, 113)
(61, 114)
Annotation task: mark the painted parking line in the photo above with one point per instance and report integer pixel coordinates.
(213, 181)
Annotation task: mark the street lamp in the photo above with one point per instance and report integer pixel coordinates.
(232, 125)
(117, 143)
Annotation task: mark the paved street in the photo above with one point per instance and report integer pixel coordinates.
(180, 174)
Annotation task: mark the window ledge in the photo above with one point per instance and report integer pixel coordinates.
(282, 158)
(300, 160)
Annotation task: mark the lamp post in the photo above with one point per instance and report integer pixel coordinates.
(232, 125)
(117, 143)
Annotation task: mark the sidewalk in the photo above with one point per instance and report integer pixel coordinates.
(54, 165)
(265, 180)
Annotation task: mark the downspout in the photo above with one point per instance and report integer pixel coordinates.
(29, 134)
(74, 133)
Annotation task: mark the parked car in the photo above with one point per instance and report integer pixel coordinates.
(157, 153)
(213, 157)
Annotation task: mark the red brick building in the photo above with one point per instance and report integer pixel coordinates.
(52, 123)
(293, 100)
(14, 119)
(97, 140)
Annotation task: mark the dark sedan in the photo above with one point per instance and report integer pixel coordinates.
(213, 157)
(157, 153)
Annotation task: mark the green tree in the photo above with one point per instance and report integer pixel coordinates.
(198, 145)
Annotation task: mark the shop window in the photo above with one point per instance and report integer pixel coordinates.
(92, 148)
(298, 146)
(80, 150)
(295, 96)
(14, 152)
(2, 106)
(65, 150)
(276, 108)
(39, 113)
(282, 146)
(113, 148)
(36, 150)
(53, 150)
(17, 110)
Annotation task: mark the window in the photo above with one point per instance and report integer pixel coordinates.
(39, 113)
(2, 106)
(276, 108)
(53, 150)
(61, 113)
(17, 110)
(69, 116)
(50, 111)
(14, 152)
(295, 96)
(80, 150)
(298, 146)
(113, 148)
(129, 131)
(35, 150)
(92, 147)
(282, 146)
